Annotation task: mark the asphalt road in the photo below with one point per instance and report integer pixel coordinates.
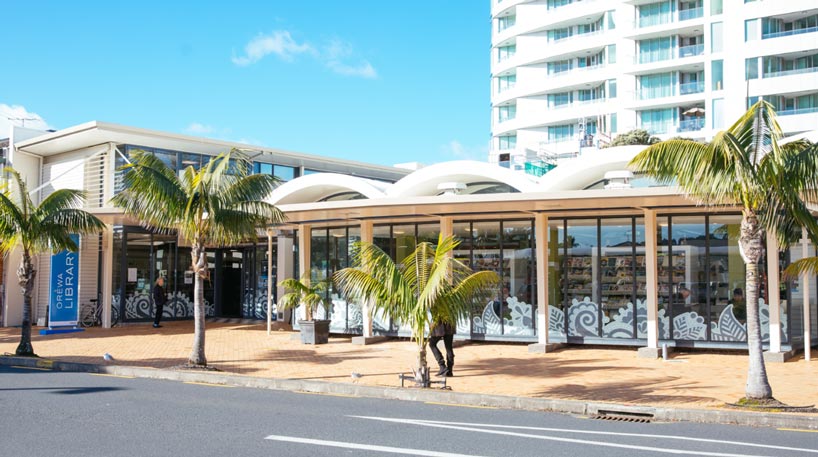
(79, 414)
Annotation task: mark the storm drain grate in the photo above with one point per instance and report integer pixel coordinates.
(623, 416)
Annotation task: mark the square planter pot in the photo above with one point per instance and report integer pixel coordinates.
(314, 332)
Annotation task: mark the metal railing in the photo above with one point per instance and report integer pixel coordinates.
(766, 36)
(793, 112)
(799, 71)
(660, 55)
(691, 125)
(694, 87)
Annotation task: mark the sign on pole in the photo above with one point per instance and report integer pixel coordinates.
(63, 303)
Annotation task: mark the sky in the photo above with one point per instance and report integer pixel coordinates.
(377, 81)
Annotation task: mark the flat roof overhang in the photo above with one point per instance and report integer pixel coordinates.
(96, 133)
(591, 203)
(578, 203)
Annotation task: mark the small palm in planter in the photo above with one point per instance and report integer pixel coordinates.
(301, 293)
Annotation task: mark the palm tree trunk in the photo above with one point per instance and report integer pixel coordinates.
(200, 271)
(750, 243)
(25, 277)
(422, 378)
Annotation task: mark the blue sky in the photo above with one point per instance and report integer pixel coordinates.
(372, 80)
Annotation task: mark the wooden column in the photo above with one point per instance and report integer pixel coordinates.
(541, 256)
(805, 286)
(652, 286)
(773, 296)
(269, 279)
(366, 307)
(107, 275)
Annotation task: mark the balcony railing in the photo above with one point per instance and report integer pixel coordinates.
(799, 71)
(667, 18)
(691, 125)
(766, 36)
(688, 125)
(660, 55)
(691, 50)
(692, 13)
(793, 112)
(695, 87)
(574, 70)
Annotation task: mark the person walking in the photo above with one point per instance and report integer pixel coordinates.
(159, 299)
(444, 331)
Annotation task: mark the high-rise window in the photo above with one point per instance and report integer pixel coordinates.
(506, 82)
(507, 142)
(558, 133)
(716, 37)
(751, 68)
(655, 13)
(717, 74)
(655, 49)
(560, 99)
(656, 86)
(658, 120)
(505, 22)
(559, 66)
(506, 112)
(750, 29)
(506, 52)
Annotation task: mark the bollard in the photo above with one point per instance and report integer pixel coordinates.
(664, 351)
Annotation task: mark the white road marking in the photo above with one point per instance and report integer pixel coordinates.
(366, 447)
(637, 435)
(555, 438)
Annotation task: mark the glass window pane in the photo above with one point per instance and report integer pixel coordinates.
(486, 256)
(556, 279)
(582, 289)
(286, 173)
(617, 278)
(725, 276)
(518, 254)
(404, 241)
(685, 272)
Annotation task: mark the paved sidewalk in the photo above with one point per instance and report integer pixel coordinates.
(690, 380)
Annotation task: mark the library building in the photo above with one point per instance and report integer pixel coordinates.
(588, 253)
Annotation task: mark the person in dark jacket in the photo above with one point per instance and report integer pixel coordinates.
(445, 332)
(159, 299)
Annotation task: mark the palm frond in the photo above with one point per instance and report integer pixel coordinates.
(808, 266)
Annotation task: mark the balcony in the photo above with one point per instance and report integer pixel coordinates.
(695, 87)
(778, 74)
(767, 36)
(669, 18)
(691, 125)
(651, 93)
(661, 55)
(567, 71)
(684, 126)
(794, 112)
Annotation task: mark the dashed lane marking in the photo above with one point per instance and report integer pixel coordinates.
(366, 447)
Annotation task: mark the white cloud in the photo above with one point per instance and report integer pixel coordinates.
(196, 128)
(458, 151)
(336, 55)
(280, 43)
(364, 70)
(19, 116)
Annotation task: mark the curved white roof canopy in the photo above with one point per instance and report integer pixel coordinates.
(424, 182)
(590, 167)
(319, 186)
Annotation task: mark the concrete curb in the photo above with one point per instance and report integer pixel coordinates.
(712, 416)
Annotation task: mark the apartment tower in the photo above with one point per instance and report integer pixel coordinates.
(568, 75)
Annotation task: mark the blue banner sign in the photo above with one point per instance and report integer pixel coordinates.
(63, 304)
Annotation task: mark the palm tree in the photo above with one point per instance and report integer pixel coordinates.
(36, 229)
(748, 167)
(300, 292)
(217, 205)
(428, 287)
